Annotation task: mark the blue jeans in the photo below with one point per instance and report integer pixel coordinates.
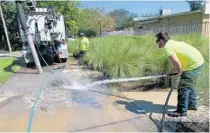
(187, 92)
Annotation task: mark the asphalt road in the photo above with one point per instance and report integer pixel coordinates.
(66, 110)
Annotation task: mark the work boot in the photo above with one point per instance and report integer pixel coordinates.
(177, 114)
(193, 108)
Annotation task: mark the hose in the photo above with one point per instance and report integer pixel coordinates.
(129, 99)
(166, 104)
(51, 69)
(41, 89)
(33, 111)
(164, 109)
(39, 50)
(57, 54)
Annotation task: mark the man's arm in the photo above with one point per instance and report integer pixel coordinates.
(59, 49)
(176, 64)
(87, 45)
(80, 44)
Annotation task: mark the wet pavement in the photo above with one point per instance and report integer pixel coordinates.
(61, 110)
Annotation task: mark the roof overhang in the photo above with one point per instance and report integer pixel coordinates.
(149, 21)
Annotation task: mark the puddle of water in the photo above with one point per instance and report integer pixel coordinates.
(87, 101)
(43, 122)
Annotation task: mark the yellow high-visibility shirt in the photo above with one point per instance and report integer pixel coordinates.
(189, 56)
(84, 45)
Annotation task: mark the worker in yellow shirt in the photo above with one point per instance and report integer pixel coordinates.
(188, 63)
(84, 45)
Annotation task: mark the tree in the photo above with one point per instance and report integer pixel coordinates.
(89, 19)
(108, 23)
(123, 18)
(5, 29)
(195, 5)
(10, 16)
(93, 19)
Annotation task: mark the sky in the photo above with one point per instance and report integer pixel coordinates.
(139, 7)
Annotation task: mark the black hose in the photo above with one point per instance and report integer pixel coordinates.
(51, 69)
(164, 109)
(57, 54)
(166, 104)
(124, 97)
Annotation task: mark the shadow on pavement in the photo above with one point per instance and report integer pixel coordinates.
(142, 106)
(24, 69)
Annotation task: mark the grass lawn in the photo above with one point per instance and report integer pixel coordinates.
(6, 67)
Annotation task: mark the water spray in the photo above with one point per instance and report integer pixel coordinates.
(107, 81)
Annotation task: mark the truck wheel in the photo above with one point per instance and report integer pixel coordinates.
(30, 65)
(64, 60)
(48, 59)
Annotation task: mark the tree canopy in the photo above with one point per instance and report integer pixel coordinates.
(94, 18)
(195, 5)
(76, 19)
(123, 18)
(9, 10)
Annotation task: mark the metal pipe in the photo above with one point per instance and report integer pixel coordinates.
(28, 35)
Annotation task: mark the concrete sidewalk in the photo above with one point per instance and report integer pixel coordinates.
(152, 104)
(63, 110)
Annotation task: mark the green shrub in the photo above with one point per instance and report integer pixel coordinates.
(73, 46)
(88, 32)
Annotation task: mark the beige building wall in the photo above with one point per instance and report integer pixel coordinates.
(194, 18)
(198, 19)
(205, 25)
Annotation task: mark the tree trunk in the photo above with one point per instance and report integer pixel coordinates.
(5, 29)
(4, 41)
(1, 34)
